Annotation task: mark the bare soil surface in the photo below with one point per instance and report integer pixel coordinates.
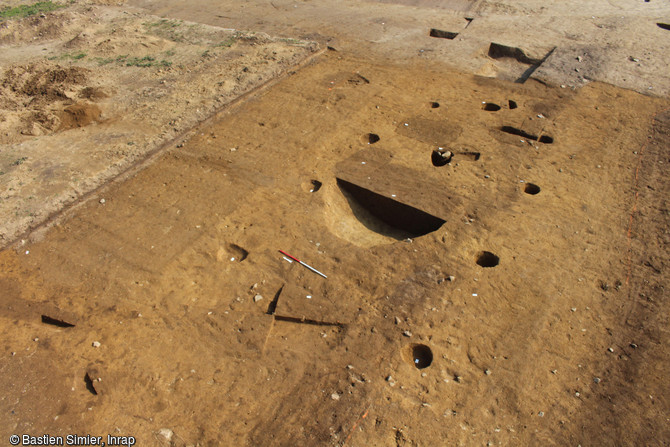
(87, 91)
(496, 252)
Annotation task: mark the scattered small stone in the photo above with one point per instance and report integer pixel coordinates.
(633, 345)
(610, 349)
(373, 330)
(633, 59)
(487, 372)
(541, 414)
(446, 154)
(596, 380)
(233, 149)
(577, 394)
(540, 116)
(407, 334)
(36, 339)
(451, 278)
(258, 297)
(390, 380)
(350, 366)
(96, 344)
(102, 201)
(424, 375)
(487, 176)
(554, 371)
(574, 309)
(579, 58)
(335, 396)
(397, 320)
(166, 433)
(458, 379)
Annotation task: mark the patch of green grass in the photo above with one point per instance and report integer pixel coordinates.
(22, 11)
(146, 61)
(73, 56)
(167, 29)
(226, 43)
(19, 161)
(104, 60)
(163, 23)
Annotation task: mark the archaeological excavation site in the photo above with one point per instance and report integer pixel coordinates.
(348, 223)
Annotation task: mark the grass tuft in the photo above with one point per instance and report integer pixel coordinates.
(22, 11)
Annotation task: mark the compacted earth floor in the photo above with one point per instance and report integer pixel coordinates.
(492, 262)
(492, 255)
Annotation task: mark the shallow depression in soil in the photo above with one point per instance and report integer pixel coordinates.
(422, 356)
(487, 259)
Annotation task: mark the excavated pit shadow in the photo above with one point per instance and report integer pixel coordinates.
(387, 216)
(442, 34)
(546, 139)
(517, 55)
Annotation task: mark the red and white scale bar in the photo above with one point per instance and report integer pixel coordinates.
(302, 263)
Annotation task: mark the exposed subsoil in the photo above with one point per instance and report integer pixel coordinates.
(527, 317)
(495, 252)
(88, 91)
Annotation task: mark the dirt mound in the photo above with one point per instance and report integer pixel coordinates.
(40, 27)
(93, 93)
(42, 83)
(79, 115)
(38, 99)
